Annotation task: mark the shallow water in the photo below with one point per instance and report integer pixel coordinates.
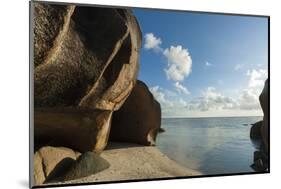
(210, 145)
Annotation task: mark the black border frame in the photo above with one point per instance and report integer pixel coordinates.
(31, 126)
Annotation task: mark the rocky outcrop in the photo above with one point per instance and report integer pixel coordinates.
(86, 61)
(82, 130)
(161, 130)
(265, 123)
(85, 66)
(53, 164)
(255, 132)
(139, 119)
(81, 73)
(259, 131)
(51, 23)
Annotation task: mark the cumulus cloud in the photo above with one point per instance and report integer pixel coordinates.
(179, 63)
(152, 42)
(181, 89)
(249, 99)
(182, 103)
(171, 103)
(238, 67)
(160, 95)
(211, 99)
(257, 77)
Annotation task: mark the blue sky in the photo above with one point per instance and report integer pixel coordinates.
(203, 65)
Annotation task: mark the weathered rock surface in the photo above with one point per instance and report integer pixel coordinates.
(51, 23)
(85, 66)
(255, 132)
(259, 131)
(87, 164)
(50, 162)
(58, 164)
(161, 130)
(78, 129)
(265, 123)
(96, 61)
(139, 119)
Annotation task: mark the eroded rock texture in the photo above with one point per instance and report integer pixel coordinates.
(58, 164)
(86, 61)
(255, 132)
(259, 132)
(139, 119)
(265, 123)
(82, 130)
(85, 66)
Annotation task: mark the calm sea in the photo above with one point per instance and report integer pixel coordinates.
(210, 145)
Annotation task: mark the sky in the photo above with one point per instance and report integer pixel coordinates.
(203, 65)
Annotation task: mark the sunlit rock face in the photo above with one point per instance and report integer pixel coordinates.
(85, 66)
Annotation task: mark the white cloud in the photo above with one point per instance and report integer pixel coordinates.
(208, 64)
(211, 102)
(181, 89)
(211, 99)
(257, 77)
(238, 67)
(182, 102)
(152, 42)
(249, 99)
(245, 100)
(170, 102)
(160, 95)
(179, 63)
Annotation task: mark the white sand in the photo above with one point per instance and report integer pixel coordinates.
(133, 162)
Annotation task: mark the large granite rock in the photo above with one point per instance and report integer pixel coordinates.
(82, 130)
(139, 119)
(255, 132)
(259, 131)
(85, 66)
(50, 162)
(96, 63)
(51, 23)
(58, 164)
(265, 123)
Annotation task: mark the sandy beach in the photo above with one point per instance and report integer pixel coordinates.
(134, 162)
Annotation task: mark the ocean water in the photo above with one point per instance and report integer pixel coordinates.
(210, 145)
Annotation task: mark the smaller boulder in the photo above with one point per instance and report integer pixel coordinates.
(260, 161)
(87, 164)
(161, 130)
(59, 164)
(139, 119)
(264, 101)
(255, 132)
(52, 162)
